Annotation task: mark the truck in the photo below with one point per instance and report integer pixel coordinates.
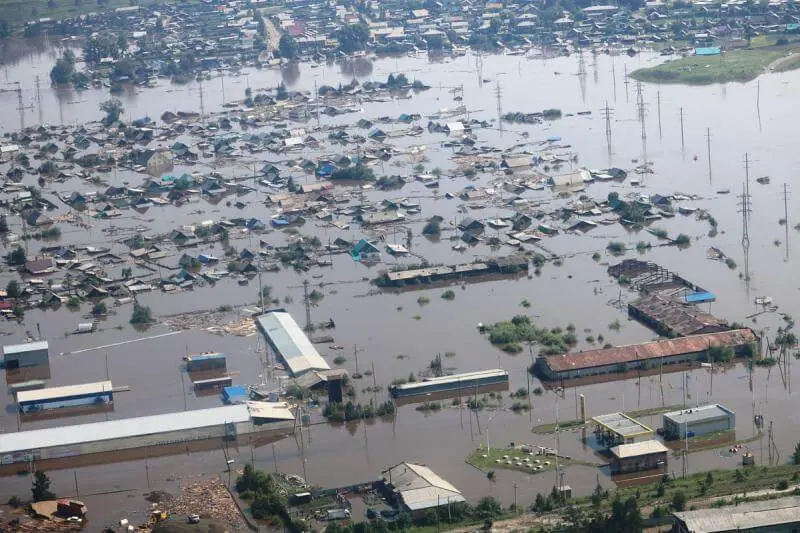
(338, 514)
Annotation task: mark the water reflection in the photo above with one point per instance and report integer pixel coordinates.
(290, 73)
(359, 67)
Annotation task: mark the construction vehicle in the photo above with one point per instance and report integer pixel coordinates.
(156, 517)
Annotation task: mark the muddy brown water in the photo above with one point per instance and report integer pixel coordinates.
(386, 325)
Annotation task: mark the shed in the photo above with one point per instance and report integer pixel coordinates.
(98, 393)
(619, 428)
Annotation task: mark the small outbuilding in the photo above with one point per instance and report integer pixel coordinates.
(636, 456)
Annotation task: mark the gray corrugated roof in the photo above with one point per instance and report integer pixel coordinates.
(744, 516)
(117, 429)
(420, 487)
(697, 414)
(291, 343)
(24, 348)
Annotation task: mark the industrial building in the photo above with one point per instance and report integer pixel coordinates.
(205, 361)
(779, 515)
(289, 343)
(331, 381)
(636, 456)
(698, 421)
(100, 393)
(26, 355)
(642, 356)
(619, 428)
(415, 488)
(58, 447)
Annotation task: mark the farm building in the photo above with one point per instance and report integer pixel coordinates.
(416, 488)
(636, 456)
(698, 421)
(100, 393)
(26, 355)
(289, 343)
(641, 356)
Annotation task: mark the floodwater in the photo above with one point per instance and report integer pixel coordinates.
(382, 327)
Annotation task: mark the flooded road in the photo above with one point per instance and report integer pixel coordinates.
(384, 326)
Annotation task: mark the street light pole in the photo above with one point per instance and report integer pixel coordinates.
(487, 434)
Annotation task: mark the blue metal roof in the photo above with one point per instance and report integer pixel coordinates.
(700, 297)
(708, 51)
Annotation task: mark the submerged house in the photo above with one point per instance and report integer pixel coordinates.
(366, 252)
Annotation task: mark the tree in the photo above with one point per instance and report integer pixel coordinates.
(353, 37)
(64, 69)
(113, 108)
(41, 487)
(488, 507)
(141, 314)
(287, 46)
(679, 501)
(5, 29)
(3, 224)
(99, 309)
(796, 454)
(13, 289)
(17, 257)
(127, 272)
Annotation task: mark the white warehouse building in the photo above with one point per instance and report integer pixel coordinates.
(697, 421)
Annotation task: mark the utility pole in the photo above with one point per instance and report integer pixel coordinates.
(658, 100)
(708, 145)
(786, 216)
(39, 99)
(307, 303)
(607, 117)
(626, 82)
(683, 144)
(21, 107)
(202, 104)
(745, 211)
(222, 79)
(498, 91)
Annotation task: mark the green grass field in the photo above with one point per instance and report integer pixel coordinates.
(517, 461)
(740, 65)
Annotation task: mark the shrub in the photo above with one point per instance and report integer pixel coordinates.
(448, 295)
(141, 314)
(616, 248)
(683, 240)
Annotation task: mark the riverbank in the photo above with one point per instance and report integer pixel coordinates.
(739, 65)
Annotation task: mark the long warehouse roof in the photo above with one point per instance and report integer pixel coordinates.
(766, 515)
(455, 378)
(648, 350)
(291, 343)
(134, 427)
(24, 348)
(53, 393)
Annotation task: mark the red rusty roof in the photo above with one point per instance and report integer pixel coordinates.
(649, 350)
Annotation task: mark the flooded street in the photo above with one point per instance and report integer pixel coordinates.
(385, 325)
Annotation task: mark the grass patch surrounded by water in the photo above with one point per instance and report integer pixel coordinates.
(514, 459)
(741, 65)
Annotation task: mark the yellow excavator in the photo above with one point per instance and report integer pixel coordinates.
(156, 517)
